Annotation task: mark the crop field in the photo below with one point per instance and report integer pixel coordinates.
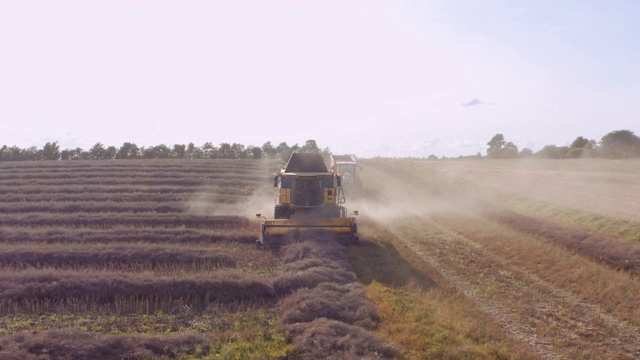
(459, 260)
(157, 259)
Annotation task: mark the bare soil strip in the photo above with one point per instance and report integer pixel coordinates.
(554, 322)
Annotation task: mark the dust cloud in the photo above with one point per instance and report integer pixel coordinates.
(399, 188)
(240, 200)
(393, 192)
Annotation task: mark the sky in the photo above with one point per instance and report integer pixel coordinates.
(372, 78)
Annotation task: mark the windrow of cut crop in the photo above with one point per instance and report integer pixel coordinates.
(151, 181)
(124, 257)
(601, 248)
(109, 220)
(73, 344)
(110, 206)
(211, 173)
(212, 193)
(223, 165)
(325, 309)
(125, 234)
(147, 292)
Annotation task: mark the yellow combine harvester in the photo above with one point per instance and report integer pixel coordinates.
(310, 198)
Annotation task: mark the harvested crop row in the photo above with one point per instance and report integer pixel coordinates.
(118, 234)
(600, 248)
(107, 220)
(106, 206)
(48, 290)
(326, 310)
(115, 181)
(75, 344)
(231, 188)
(220, 194)
(131, 164)
(68, 173)
(125, 257)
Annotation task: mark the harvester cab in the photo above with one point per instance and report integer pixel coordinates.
(310, 197)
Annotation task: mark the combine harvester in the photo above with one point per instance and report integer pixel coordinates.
(310, 198)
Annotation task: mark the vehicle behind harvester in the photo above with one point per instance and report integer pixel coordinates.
(346, 166)
(310, 197)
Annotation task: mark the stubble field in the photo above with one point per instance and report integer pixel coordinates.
(459, 259)
(549, 250)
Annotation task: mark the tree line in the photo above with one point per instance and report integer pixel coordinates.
(619, 144)
(52, 151)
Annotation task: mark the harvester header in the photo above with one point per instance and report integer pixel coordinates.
(310, 197)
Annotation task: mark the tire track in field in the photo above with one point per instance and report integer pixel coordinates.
(554, 322)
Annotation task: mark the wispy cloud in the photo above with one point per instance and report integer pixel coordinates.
(474, 102)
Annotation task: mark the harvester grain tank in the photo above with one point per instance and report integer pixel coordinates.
(310, 197)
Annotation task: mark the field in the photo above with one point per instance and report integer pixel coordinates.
(541, 258)
(459, 259)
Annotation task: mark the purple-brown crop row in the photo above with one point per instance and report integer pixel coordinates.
(212, 194)
(74, 344)
(47, 290)
(109, 220)
(326, 310)
(106, 206)
(120, 234)
(126, 257)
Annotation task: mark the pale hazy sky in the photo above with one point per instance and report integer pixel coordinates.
(387, 78)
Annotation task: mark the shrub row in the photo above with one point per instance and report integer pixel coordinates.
(326, 311)
(129, 257)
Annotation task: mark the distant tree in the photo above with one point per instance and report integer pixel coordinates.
(161, 151)
(579, 143)
(51, 151)
(238, 151)
(496, 144)
(269, 151)
(209, 151)
(500, 149)
(225, 151)
(575, 153)
(432, 157)
(256, 152)
(179, 151)
(284, 151)
(525, 153)
(510, 151)
(553, 152)
(97, 151)
(66, 154)
(128, 151)
(310, 146)
(620, 144)
(110, 152)
(12, 153)
(75, 154)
